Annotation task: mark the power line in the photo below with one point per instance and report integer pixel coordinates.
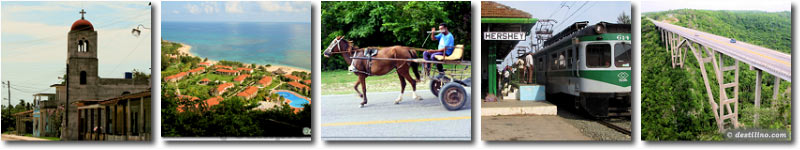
(129, 54)
(583, 12)
(573, 13)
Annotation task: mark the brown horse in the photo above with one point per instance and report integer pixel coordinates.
(366, 68)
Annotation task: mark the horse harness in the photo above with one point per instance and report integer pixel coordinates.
(367, 53)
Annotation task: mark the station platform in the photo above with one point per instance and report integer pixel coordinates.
(517, 107)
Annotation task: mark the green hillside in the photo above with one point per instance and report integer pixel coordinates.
(674, 100)
(768, 29)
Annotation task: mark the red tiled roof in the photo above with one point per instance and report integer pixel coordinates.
(205, 63)
(197, 69)
(291, 77)
(213, 101)
(226, 70)
(298, 85)
(223, 66)
(491, 9)
(248, 92)
(265, 80)
(205, 80)
(181, 74)
(307, 81)
(241, 77)
(245, 69)
(187, 97)
(224, 86)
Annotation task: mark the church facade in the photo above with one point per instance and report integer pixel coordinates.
(84, 86)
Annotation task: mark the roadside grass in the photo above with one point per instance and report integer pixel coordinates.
(342, 81)
(51, 138)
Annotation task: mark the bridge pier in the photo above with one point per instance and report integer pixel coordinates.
(775, 89)
(757, 95)
(722, 110)
(732, 112)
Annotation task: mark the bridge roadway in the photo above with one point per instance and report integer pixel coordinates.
(769, 60)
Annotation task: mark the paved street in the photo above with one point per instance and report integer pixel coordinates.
(381, 119)
(10, 137)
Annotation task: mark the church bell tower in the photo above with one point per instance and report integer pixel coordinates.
(82, 52)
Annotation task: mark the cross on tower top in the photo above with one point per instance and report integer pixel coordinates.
(82, 12)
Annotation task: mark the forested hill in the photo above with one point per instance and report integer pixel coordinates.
(768, 29)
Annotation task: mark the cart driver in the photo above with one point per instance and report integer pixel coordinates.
(445, 48)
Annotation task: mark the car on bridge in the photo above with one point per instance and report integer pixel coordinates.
(733, 40)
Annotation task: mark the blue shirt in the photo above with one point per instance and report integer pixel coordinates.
(446, 41)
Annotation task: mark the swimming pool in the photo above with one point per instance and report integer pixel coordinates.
(296, 102)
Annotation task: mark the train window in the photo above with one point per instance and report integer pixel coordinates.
(598, 55)
(622, 55)
(561, 60)
(554, 64)
(569, 58)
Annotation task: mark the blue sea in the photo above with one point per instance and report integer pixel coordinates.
(287, 44)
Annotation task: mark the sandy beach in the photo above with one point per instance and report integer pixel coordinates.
(185, 50)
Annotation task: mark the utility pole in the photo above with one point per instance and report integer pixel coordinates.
(8, 83)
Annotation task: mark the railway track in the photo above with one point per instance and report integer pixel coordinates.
(615, 127)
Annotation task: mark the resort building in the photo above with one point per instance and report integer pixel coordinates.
(176, 77)
(299, 87)
(241, 78)
(182, 108)
(245, 70)
(205, 64)
(223, 67)
(213, 101)
(204, 81)
(291, 77)
(222, 88)
(248, 93)
(197, 70)
(265, 81)
(227, 72)
(307, 82)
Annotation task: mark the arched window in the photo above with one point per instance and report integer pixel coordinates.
(83, 77)
(85, 46)
(80, 46)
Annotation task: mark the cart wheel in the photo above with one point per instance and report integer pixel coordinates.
(436, 85)
(453, 96)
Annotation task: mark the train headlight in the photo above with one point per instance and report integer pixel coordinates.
(575, 40)
(600, 29)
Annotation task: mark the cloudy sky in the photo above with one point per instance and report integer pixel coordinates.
(568, 12)
(34, 42)
(236, 11)
(762, 5)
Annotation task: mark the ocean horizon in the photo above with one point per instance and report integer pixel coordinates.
(276, 43)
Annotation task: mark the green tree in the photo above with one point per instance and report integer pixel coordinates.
(624, 18)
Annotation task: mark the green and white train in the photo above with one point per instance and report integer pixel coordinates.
(591, 65)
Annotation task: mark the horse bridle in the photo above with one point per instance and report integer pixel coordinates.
(337, 41)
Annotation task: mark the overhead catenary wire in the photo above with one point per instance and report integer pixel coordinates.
(570, 16)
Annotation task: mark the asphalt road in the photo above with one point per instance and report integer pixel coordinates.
(768, 60)
(381, 119)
